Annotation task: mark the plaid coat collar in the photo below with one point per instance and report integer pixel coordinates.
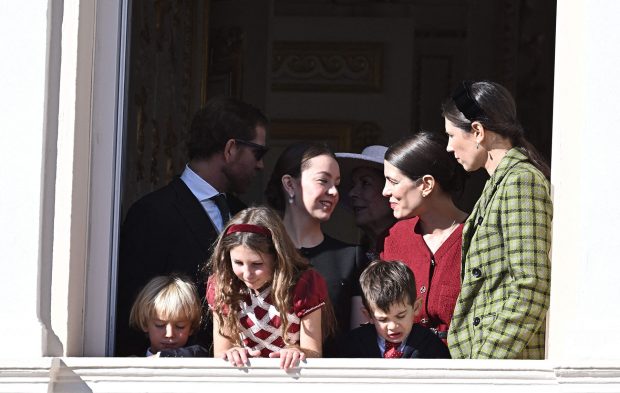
(513, 157)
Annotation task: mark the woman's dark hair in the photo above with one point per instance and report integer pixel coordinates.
(293, 160)
(425, 153)
(493, 106)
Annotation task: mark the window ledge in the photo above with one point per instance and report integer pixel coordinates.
(197, 375)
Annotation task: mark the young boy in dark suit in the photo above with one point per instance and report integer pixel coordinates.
(389, 296)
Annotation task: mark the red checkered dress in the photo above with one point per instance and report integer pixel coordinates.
(260, 320)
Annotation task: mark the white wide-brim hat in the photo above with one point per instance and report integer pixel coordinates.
(371, 157)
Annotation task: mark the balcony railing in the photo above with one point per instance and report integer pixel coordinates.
(135, 375)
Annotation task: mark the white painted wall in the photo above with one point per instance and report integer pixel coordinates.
(47, 135)
(23, 44)
(584, 318)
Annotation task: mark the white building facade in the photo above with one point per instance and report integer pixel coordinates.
(62, 72)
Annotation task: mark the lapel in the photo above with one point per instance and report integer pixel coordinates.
(512, 158)
(194, 215)
(411, 351)
(369, 335)
(235, 205)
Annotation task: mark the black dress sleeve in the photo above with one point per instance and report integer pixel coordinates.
(361, 261)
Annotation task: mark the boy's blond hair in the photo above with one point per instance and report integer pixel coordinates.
(169, 297)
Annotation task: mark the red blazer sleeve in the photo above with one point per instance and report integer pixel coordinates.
(211, 288)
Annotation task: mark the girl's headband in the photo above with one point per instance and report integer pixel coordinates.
(466, 103)
(258, 229)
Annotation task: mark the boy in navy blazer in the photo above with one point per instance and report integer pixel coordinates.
(389, 296)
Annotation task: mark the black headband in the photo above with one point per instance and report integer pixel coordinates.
(466, 103)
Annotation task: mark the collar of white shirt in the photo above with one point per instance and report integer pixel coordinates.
(201, 189)
(381, 343)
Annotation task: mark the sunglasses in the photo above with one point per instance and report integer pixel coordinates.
(258, 150)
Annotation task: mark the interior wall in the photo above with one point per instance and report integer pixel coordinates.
(424, 48)
(167, 76)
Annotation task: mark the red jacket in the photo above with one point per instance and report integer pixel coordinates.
(437, 277)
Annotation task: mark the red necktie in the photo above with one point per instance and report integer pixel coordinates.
(391, 350)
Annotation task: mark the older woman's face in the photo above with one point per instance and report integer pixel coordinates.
(369, 205)
(405, 194)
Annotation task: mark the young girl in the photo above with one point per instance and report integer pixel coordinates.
(168, 310)
(266, 300)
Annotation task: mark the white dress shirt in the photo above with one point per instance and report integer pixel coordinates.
(203, 191)
(381, 343)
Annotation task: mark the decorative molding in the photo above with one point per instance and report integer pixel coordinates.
(165, 84)
(225, 62)
(509, 42)
(435, 58)
(346, 8)
(327, 66)
(535, 62)
(396, 375)
(440, 33)
(336, 134)
(365, 134)
(441, 78)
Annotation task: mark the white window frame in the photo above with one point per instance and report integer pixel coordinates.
(110, 74)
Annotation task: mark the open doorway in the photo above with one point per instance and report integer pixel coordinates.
(366, 71)
(349, 72)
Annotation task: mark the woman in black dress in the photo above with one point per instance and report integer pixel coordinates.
(304, 188)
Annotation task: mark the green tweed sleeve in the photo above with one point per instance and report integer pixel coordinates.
(526, 212)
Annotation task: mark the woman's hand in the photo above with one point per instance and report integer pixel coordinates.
(238, 356)
(289, 356)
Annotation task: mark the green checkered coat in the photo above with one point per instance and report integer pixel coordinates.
(500, 312)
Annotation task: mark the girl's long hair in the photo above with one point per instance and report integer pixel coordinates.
(288, 265)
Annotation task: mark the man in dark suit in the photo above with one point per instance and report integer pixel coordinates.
(171, 230)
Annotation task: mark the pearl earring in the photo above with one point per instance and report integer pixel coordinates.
(290, 198)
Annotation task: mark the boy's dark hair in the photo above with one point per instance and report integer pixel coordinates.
(385, 283)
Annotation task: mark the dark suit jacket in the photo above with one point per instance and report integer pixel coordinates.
(166, 231)
(361, 342)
